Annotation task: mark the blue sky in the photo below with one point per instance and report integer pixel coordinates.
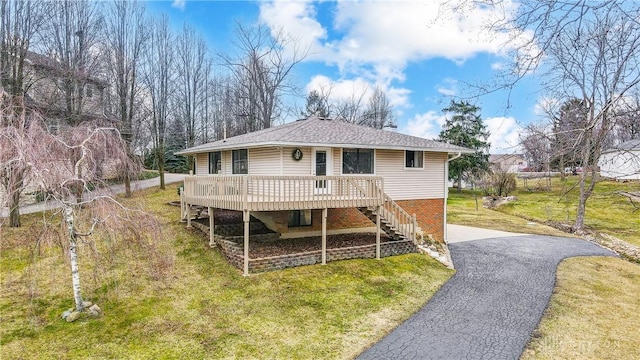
(420, 52)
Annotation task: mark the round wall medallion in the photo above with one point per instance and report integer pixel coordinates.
(296, 154)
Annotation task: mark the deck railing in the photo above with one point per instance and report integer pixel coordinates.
(272, 193)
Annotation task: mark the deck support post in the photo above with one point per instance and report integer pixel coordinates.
(212, 242)
(324, 236)
(188, 207)
(378, 212)
(246, 217)
(182, 219)
(415, 229)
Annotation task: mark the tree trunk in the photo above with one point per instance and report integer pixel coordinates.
(160, 159)
(460, 182)
(14, 205)
(73, 257)
(127, 185)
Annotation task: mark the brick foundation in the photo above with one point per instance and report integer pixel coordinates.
(429, 214)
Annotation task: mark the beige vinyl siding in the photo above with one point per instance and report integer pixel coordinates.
(337, 161)
(264, 161)
(296, 168)
(406, 184)
(202, 164)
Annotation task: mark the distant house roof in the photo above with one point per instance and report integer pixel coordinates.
(631, 145)
(316, 131)
(56, 66)
(494, 158)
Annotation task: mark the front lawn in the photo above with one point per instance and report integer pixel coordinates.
(606, 212)
(593, 313)
(188, 302)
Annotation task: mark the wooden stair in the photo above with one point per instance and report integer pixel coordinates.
(385, 224)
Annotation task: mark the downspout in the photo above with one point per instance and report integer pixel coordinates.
(446, 193)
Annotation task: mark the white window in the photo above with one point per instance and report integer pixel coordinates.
(413, 159)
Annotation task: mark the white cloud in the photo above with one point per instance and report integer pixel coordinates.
(179, 4)
(427, 125)
(344, 89)
(504, 133)
(503, 136)
(448, 87)
(376, 40)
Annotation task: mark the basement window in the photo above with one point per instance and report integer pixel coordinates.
(299, 218)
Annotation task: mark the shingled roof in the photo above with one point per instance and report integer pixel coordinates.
(316, 131)
(631, 145)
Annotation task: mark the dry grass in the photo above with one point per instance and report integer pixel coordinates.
(198, 306)
(461, 210)
(606, 212)
(593, 314)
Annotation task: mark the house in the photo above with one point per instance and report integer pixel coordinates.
(45, 79)
(319, 176)
(621, 162)
(48, 80)
(511, 163)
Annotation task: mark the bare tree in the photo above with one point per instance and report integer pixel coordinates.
(158, 79)
(587, 50)
(191, 74)
(262, 69)
(379, 112)
(71, 40)
(536, 147)
(58, 170)
(351, 108)
(126, 36)
(19, 23)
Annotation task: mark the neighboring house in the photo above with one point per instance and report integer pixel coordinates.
(511, 163)
(621, 162)
(46, 79)
(49, 77)
(318, 176)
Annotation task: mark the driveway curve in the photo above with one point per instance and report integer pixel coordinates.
(490, 307)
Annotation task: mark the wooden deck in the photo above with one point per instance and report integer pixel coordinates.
(274, 193)
(249, 193)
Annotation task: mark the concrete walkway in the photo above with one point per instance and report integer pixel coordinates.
(113, 189)
(490, 307)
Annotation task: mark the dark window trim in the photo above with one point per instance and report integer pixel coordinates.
(373, 161)
(234, 160)
(216, 170)
(297, 219)
(414, 166)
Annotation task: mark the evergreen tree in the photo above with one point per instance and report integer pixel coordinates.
(465, 128)
(317, 105)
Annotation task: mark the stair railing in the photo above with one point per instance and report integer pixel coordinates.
(400, 219)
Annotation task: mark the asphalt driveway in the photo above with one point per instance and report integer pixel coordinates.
(490, 307)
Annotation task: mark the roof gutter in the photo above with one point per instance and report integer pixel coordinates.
(455, 157)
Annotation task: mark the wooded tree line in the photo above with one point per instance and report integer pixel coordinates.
(162, 89)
